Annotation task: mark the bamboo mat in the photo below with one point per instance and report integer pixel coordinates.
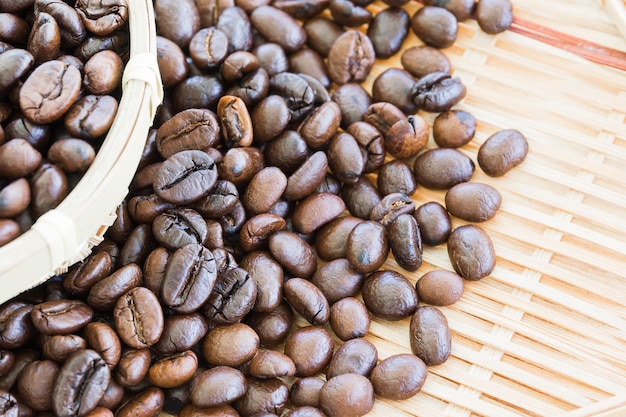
(545, 334)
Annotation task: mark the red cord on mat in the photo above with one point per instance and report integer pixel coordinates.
(588, 50)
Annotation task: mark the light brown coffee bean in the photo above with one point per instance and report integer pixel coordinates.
(430, 336)
(473, 201)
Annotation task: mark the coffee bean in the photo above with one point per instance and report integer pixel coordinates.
(443, 168)
(49, 186)
(264, 190)
(174, 370)
(331, 239)
(440, 288)
(304, 412)
(239, 64)
(9, 230)
(347, 395)
(58, 348)
(9, 404)
(349, 14)
(296, 91)
(271, 364)
(208, 48)
(471, 252)
(435, 26)
(430, 336)
(321, 33)
(308, 62)
(406, 138)
(360, 197)
(145, 404)
(181, 332)
(453, 128)
(171, 60)
(104, 294)
(301, 9)
(315, 211)
(240, 165)
(102, 19)
(306, 299)
(219, 201)
(345, 157)
(36, 383)
(287, 151)
(392, 206)
(273, 326)
(337, 279)
(422, 60)
(103, 339)
(349, 318)
(434, 223)
(177, 228)
(494, 16)
(371, 142)
(14, 198)
(90, 117)
(264, 396)
(269, 118)
(61, 317)
(353, 101)
(307, 177)
(235, 121)
(272, 58)
(22, 359)
(356, 356)
(293, 253)
(473, 201)
(351, 57)
(230, 345)
(388, 30)
(201, 91)
(217, 387)
(396, 177)
(438, 91)
(405, 242)
(305, 391)
(394, 86)
(232, 297)
(320, 126)
(103, 72)
(18, 159)
(133, 366)
(177, 22)
(268, 275)
(310, 348)
(7, 359)
(189, 129)
(367, 247)
(389, 295)
(278, 27)
(502, 151)
(185, 177)
(257, 229)
(138, 318)
(399, 377)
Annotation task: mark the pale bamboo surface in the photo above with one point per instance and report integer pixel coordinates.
(65, 235)
(545, 334)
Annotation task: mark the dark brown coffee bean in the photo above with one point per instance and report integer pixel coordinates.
(37, 135)
(177, 22)
(208, 48)
(269, 118)
(308, 62)
(240, 165)
(278, 27)
(14, 63)
(394, 86)
(113, 396)
(272, 58)
(252, 88)
(383, 115)
(7, 359)
(422, 60)
(361, 197)
(190, 129)
(103, 72)
(36, 383)
(16, 326)
(233, 221)
(87, 273)
(438, 91)
(307, 177)
(396, 177)
(201, 91)
(356, 356)
(48, 188)
(171, 60)
(388, 30)
(349, 14)
(189, 278)
(257, 229)
(61, 317)
(268, 275)
(389, 295)
(351, 57)
(405, 242)
(399, 377)
(337, 280)
(471, 252)
(22, 359)
(219, 202)
(453, 128)
(349, 318)
(347, 395)
(273, 326)
(138, 245)
(9, 230)
(430, 336)
(305, 412)
(104, 294)
(440, 287)
(210, 10)
(392, 206)
(296, 91)
(234, 22)
(235, 121)
(271, 364)
(502, 151)
(72, 155)
(345, 157)
(293, 253)
(185, 177)
(230, 345)
(102, 19)
(494, 16)
(307, 300)
(174, 370)
(406, 138)
(353, 101)
(177, 228)
(310, 348)
(435, 26)
(442, 169)
(315, 211)
(18, 159)
(138, 318)
(144, 177)
(263, 397)
(133, 366)
(331, 239)
(14, 198)
(217, 387)
(181, 332)
(103, 339)
(304, 392)
(320, 126)
(287, 151)
(434, 223)
(239, 64)
(146, 208)
(232, 298)
(321, 33)
(367, 247)
(371, 143)
(461, 9)
(59, 347)
(473, 201)
(264, 190)
(91, 116)
(145, 404)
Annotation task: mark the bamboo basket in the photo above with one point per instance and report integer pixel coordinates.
(66, 234)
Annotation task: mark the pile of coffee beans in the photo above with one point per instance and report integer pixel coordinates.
(61, 65)
(272, 190)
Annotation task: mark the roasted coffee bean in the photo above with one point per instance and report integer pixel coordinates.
(104, 294)
(315, 211)
(239, 64)
(49, 187)
(256, 230)
(177, 228)
(39, 100)
(232, 297)
(113, 396)
(278, 27)
(139, 244)
(394, 86)
(133, 366)
(388, 30)
(320, 126)
(273, 326)
(9, 404)
(356, 356)
(201, 91)
(14, 63)
(208, 48)
(263, 397)
(72, 155)
(22, 359)
(502, 151)
(171, 60)
(90, 117)
(440, 287)
(118, 40)
(453, 128)
(347, 395)
(138, 318)
(287, 151)
(240, 165)
(494, 16)
(310, 348)
(102, 19)
(371, 142)
(268, 275)
(252, 88)
(461, 9)
(435, 26)
(367, 247)
(396, 177)
(103, 72)
(217, 387)
(36, 383)
(430, 336)
(145, 404)
(471, 252)
(351, 57)
(307, 177)
(264, 190)
(58, 348)
(189, 278)
(392, 206)
(304, 412)
(349, 14)
(235, 121)
(405, 242)
(360, 198)
(406, 138)
(308, 62)
(185, 177)
(189, 129)
(434, 223)
(345, 157)
(473, 201)
(307, 300)
(349, 318)
(103, 339)
(81, 383)
(177, 22)
(14, 198)
(7, 359)
(181, 332)
(442, 169)
(296, 91)
(422, 60)
(293, 253)
(144, 177)
(61, 317)
(321, 33)
(305, 391)
(272, 58)
(337, 279)
(87, 273)
(383, 115)
(301, 9)
(174, 370)
(399, 377)
(9, 230)
(233, 221)
(18, 159)
(353, 101)
(37, 135)
(330, 184)
(269, 118)
(234, 22)
(146, 208)
(271, 364)
(230, 345)
(210, 10)
(389, 295)
(219, 202)
(438, 91)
